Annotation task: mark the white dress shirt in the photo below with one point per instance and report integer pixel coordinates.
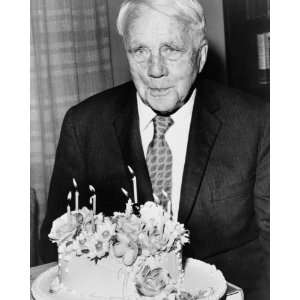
(176, 137)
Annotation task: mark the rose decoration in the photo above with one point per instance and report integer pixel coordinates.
(130, 225)
(126, 248)
(131, 254)
(201, 294)
(183, 295)
(62, 227)
(151, 282)
(150, 243)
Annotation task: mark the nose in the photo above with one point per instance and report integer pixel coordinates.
(156, 67)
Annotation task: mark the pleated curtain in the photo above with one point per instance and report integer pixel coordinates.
(70, 60)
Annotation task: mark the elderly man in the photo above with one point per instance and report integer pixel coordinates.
(203, 144)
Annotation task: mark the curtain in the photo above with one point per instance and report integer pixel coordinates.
(70, 60)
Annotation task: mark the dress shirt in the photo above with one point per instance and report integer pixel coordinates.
(176, 137)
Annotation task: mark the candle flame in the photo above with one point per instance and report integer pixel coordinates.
(156, 199)
(130, 170)
(124, 192)
(74, 183)
(92, 189)
(165, 194)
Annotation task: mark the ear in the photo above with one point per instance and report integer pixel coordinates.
(202, 56)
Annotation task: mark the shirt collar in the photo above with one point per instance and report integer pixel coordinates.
(146, 114)
(184, 113)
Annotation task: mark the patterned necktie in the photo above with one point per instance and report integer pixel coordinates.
(159, 158)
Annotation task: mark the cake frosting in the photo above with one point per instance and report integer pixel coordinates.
(132, 254)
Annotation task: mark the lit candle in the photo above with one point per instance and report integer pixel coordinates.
(169, 208)
(135, 199)
(94, 204)
(93, 221)
(93, 198)
(76, 195)
(69, 197)
(134, 190)
(93, 201)
(156, 199)
(129, 202)
(94, 212)
(126, 194)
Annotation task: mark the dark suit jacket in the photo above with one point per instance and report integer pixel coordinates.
(225, 189)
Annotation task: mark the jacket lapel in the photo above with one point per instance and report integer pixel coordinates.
(127, 130)
(203, 133)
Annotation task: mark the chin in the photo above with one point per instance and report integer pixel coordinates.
(164, 109)
(163, 105)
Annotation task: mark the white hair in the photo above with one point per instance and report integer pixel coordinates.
(190, 12)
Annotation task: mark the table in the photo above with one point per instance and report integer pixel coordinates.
(233, 292)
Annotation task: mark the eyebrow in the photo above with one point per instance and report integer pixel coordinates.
(174, 45)
(132, 48)
(136, 44)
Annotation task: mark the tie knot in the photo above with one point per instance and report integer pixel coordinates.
(161, 125)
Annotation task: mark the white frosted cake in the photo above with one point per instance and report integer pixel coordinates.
(128, 255)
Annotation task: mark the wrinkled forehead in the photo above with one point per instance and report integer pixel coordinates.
(165, 7)
(165, 29)
(189, 10)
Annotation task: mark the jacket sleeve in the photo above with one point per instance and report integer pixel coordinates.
(69, 163)
(262, 185)
(262, 207)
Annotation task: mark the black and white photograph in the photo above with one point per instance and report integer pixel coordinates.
(150, 149)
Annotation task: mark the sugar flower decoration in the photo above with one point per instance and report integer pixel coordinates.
(105, 229)
(152, 282)
(62, 228)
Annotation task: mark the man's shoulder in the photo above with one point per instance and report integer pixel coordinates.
(106, 103)
(233, 103)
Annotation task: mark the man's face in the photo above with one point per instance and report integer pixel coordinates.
(163, 62)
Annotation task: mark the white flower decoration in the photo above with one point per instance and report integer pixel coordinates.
(152, 215)
(106, 229)
(97, 248)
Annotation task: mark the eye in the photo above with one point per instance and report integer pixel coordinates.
(140, 53)
(171, 52)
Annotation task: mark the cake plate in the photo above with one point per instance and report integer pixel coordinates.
(200, 278)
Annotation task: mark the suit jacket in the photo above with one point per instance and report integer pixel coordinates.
(224, 199)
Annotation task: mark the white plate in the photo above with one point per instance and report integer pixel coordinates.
(199, 276)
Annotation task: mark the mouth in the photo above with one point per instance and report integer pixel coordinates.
(158, 92)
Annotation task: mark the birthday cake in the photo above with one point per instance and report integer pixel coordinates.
(133, 254)
(128, 255)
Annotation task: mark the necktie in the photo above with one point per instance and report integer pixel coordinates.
(159, 159)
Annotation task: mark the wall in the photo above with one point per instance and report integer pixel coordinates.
(119, 62)
(216, 64)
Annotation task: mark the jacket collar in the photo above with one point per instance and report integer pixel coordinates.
(204, 130)
(126, 126)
